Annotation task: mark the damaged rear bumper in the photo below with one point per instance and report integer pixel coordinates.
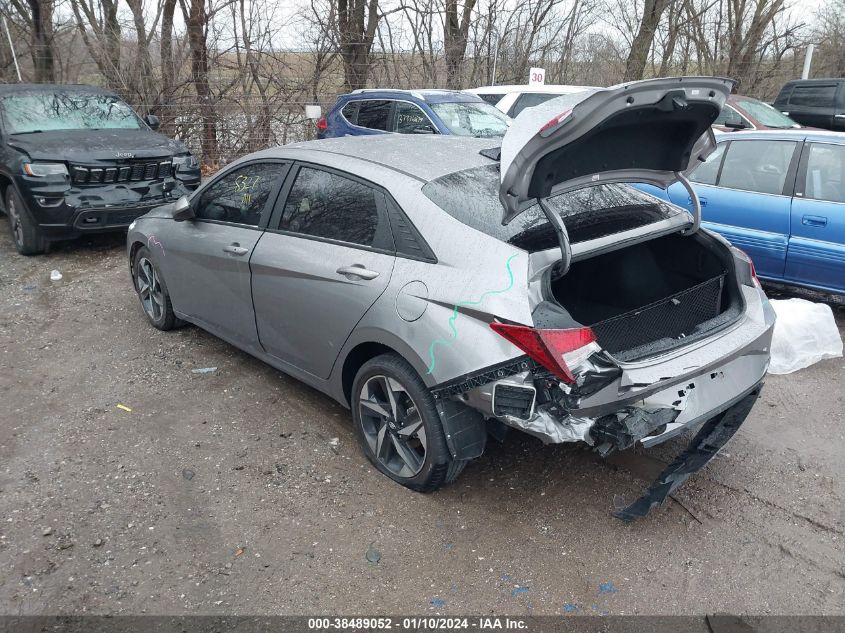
(704, 446)
(711, 384)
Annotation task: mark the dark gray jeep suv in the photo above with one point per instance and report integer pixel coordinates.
(77, 159)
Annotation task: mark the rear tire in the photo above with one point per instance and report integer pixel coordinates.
(398, 426)
(25, 234)
(152, 292)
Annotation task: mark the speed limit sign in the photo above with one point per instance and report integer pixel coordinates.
(537, 77)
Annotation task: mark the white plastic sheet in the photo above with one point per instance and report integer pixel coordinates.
(805, 333)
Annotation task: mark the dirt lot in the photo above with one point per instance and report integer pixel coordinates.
(227, 492)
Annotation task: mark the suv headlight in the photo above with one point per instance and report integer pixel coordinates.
(185, 161)
(40, 170)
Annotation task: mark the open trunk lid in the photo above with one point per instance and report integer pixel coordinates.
(644, 131)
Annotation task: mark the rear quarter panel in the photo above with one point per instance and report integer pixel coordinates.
(448, 306)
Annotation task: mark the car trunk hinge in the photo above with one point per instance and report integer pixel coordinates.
(562, 237)
(696, 204)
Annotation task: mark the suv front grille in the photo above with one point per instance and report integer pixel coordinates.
(140, 170)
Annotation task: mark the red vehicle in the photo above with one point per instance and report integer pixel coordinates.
(748, 113)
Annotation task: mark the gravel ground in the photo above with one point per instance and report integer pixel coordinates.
(243, 491)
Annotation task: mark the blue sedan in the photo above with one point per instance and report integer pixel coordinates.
(780, 197)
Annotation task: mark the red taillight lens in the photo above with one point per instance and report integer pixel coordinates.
(548, 347)
(322, 124)
(746, 258)
(554, 124)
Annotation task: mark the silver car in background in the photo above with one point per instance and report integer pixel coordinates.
(447, 289)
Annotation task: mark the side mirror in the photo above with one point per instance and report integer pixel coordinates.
(152, 121)
(182, 210)
(423, 129)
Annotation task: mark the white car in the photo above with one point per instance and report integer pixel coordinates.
(514, 99)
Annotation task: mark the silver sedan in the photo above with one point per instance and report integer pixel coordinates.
(447, 290)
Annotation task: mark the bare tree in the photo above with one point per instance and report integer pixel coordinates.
(357, 21)
(640, 47)
(196, 19)
(455, 32)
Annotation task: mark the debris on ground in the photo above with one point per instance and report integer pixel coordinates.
(47, 531)
(805, 333)
(204, 370)
(55, 275)
(373, 555)
(188, 474)
(123, 407)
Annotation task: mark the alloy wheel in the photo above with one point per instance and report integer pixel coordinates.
(393, 426)
(15, 221)
(150, 290)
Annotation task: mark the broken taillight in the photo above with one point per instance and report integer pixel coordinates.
(559, 351)
(742, 255)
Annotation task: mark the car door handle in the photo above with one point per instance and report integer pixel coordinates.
(235, 249)
(701, 201)
(814, 220)
(357, 270)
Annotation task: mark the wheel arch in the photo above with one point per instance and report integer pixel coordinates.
(364, 347)
(133, 249)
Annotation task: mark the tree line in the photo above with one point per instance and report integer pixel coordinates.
(232, 76)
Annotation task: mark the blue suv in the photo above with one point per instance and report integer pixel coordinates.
(365, 112)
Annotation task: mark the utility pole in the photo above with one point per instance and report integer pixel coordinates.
(12, 48)
(808, 60)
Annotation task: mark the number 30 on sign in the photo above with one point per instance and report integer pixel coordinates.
(537, 77)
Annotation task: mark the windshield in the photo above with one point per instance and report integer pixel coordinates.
(766, 114)
(472, 119)
(472, 196)
(44, 112)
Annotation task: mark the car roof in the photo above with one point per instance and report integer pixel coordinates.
(10, 89)
(817, 80)
(506, 89)
(819, 136)
(428, 95)
(424, 158)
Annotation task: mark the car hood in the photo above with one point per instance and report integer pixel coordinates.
(644, 131)
(86, 146)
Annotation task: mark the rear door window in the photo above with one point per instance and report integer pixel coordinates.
(814, 96)
(327, 205)
(374, 114)
(825, 179)
(758, 165)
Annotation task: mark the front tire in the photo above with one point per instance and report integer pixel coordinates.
(398, 426)
(25, 234)
(152, 291)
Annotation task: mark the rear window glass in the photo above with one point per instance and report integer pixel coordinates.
(529, 100)
(472, 196)
(813, 96)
